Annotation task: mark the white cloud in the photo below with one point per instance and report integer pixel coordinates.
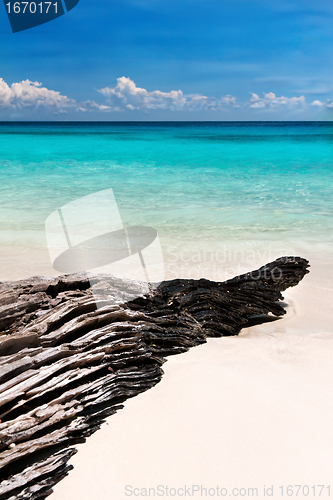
(28, 95)
(271, 102)
(92, 106)
(319, 104)
(126, 95)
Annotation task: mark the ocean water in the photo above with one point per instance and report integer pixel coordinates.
(201, 185)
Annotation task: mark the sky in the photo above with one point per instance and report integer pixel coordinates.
(171, 60)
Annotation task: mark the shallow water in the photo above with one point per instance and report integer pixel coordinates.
(233, 187)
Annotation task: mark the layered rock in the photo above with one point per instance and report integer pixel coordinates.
(71, 354)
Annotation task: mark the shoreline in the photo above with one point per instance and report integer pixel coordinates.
(188, 259)
(311, 300)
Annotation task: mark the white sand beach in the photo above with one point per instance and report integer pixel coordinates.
(239, 416)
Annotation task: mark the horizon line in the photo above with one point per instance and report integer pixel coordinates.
(163, 121)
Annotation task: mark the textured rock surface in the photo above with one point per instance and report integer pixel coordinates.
(65, 364)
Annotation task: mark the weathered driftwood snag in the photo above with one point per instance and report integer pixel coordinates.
(65, 365)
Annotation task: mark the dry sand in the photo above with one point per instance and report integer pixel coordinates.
(252, 411)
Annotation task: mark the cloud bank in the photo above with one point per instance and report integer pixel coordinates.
(271, 102)
(28, 97)
(126, 95)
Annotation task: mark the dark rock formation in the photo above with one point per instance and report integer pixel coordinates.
(65, 364)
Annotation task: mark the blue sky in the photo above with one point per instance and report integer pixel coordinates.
(172, 60)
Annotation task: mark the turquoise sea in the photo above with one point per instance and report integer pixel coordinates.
(200, 182)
